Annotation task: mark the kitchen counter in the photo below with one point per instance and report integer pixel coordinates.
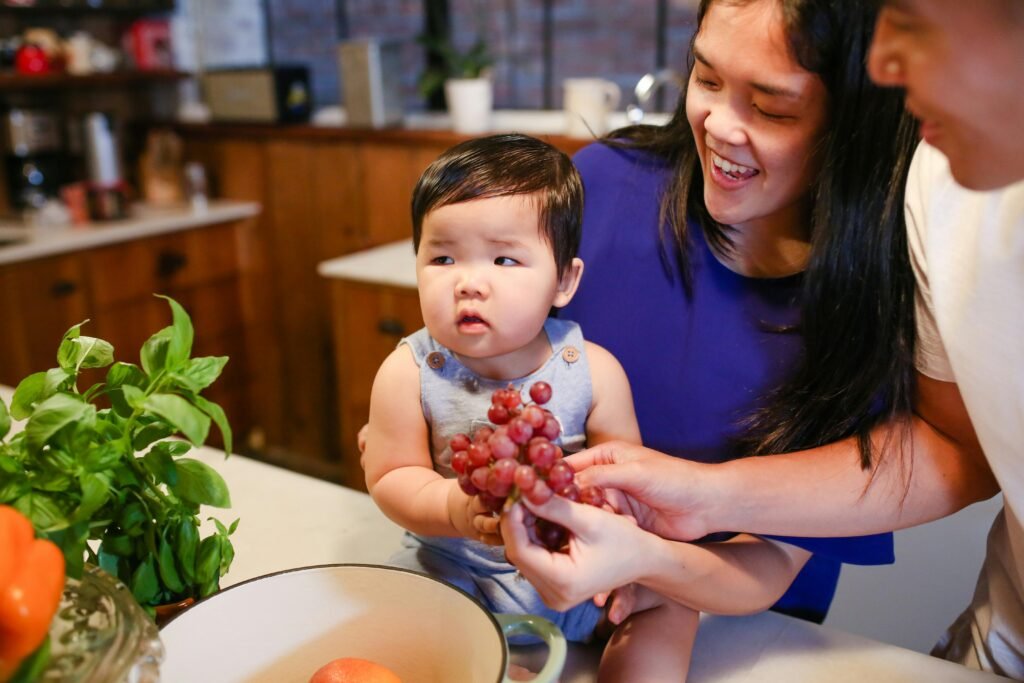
(390, 264)
(291, 520)
(21, 243)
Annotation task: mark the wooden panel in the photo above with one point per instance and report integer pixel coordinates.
(339, 199)
(15, 361)
(52, 295)
(368, 322)
(300, 301)
(388, 183)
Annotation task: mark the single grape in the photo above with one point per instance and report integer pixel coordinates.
(541, 454)
(460, 461)
(459, 442)
(496, 487)
(551, 535)
(491, 502)
(592, 495)
(511, 398)
(498, 414)
(482, 434)
(505, 470)
(551, 428)
(519, 430)
(540, 392)
(467, 486)
(525, 477)
(479, 454)
(534, 416)
(478, 477)
(540, 493)
(560, 476)
(502, 446)
(569, 492)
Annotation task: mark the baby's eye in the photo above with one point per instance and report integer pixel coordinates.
(442, 261)
(505, 261)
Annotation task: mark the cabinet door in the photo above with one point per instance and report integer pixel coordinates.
(368, 322)
(42, 299)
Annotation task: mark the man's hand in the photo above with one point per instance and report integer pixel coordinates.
(663, 494)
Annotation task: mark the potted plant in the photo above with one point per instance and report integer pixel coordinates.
(95, 471)
(465, 77)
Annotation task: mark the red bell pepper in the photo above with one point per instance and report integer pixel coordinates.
(31, 583)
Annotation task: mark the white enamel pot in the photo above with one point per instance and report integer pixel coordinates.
(282, 627)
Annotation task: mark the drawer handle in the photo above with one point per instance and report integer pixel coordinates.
(391, 326)
(170, 262)
(63, 288)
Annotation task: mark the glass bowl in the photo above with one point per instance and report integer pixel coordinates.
(100, 634)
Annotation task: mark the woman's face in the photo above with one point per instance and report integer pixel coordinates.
(756, 116)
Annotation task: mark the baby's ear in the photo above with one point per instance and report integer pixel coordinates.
(568, 283)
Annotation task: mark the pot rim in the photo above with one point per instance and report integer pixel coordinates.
(494, 622)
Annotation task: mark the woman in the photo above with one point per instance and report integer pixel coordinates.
(773, 311)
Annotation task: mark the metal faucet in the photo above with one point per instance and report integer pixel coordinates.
(646, 87)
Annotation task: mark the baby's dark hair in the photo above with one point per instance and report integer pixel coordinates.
(503, 165)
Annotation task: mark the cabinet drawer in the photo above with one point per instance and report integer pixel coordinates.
(162, 265)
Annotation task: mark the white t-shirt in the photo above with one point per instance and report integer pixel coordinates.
(967, 250)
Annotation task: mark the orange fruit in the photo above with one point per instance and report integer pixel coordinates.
(354, 670)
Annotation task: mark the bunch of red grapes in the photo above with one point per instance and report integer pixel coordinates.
(517, 458)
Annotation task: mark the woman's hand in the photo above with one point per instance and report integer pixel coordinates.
(595, 562)
(663, 494)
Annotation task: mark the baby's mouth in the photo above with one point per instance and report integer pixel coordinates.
(471, 319)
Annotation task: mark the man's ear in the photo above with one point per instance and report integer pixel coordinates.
(568, 283)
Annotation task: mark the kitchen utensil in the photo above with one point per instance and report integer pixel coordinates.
(282, 627)
(587, 102)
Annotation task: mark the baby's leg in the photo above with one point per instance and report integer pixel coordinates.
(652, 645)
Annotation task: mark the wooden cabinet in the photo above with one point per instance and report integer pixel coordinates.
(114, 286)
(368, 321)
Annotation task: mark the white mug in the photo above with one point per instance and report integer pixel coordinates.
(587, 103)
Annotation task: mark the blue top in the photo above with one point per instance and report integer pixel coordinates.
(697, 363)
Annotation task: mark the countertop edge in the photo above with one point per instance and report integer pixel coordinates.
(43, 242)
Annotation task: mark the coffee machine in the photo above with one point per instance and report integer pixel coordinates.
(35, 160)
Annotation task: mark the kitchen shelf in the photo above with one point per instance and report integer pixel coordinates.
(94, 7)
(11, 82)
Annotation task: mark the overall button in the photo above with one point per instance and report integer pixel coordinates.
(435, 360)
(570, 354)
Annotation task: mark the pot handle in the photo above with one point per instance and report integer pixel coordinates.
(531, 624)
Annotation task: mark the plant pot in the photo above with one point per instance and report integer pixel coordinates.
(165, 613)
(285, 626)
(470, 101)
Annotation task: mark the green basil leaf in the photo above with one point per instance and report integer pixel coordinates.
(131, 519)
(234, 525)
(5, 419)
(180, 344)
(134, 396)
(154, 352)
(120, 374)
(56, 379)
(200, 373)
(117, 545)
(151, 433)
(145, 585)
(168, 571)
(55, 413)
(191, 421)
(100, 458)
(28, 392)
(173, 448)
(84, 352)
(227, 554)
(186, 546)
(95, 492)
(161, 465)
(208, 562)
(12, 489)
(72, 542)
(201, 484)
(109, 562)
(219, 418)
(42, 511)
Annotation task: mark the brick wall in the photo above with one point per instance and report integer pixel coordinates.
(613, 39)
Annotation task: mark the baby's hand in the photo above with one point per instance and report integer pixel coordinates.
(471, 519)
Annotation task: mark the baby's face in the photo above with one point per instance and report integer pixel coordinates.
(487, 280)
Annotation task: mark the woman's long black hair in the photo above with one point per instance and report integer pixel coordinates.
(857, 319)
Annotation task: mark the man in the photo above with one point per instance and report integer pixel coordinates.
(962, 65)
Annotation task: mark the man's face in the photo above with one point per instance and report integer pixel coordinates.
(962, 65)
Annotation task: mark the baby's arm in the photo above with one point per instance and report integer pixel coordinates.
(397, 463)
(611, 412)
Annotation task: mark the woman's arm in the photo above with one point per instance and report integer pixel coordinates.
(818, 492)
(741, 576)
(397, 463)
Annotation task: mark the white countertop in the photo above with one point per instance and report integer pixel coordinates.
(391, 264)
(291, 520)
(145, 221)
